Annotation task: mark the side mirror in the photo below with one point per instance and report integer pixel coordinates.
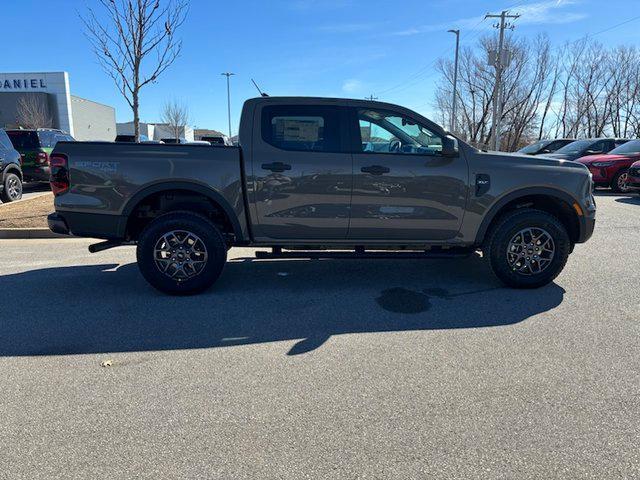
(449, 147)
(592, 152)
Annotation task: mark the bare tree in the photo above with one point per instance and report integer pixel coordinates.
(580, 90)
(33, 112)
(135, 43)
(176, 116)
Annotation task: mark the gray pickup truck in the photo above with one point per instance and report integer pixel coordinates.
(319, 177)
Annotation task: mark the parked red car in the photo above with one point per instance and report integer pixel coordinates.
(633, 179)
(612, 169)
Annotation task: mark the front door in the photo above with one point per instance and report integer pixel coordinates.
(302, 172)
(404, 188)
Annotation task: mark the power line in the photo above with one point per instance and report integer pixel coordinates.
(612, 27)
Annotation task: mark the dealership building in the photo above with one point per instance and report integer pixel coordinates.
(82, 118)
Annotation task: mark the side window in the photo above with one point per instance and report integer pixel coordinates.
(389, 132)
(5, 143)
(59, 137)
(46, 139)
(600, 147)
(302, 128)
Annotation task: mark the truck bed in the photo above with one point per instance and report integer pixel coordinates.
(109, 179)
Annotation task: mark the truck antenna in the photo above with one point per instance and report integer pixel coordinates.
(262, 94)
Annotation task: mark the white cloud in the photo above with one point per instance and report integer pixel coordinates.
(346, 27)
(352, 86)
(542, 12)
(552, 11)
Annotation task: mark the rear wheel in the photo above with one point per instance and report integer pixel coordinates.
(12, 190)
(181, 253)
(528, 248)
(620, 182)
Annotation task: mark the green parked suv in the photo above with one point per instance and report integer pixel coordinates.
(34, 147)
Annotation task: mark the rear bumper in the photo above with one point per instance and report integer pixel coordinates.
(36, 174)
(93, 225)
(57, 224)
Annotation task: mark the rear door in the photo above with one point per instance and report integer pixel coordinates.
(404, 189)
(302, 172)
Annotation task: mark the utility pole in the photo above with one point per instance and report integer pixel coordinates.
(452, 125)
(500, 63)
(228, 74)
(371, 97)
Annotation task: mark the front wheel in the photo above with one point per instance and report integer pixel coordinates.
(181, 253)
(620, 183)
(12, 190)
(528, 248)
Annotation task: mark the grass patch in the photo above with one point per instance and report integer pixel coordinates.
(31, 213)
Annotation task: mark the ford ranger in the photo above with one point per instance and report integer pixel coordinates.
(319, 177)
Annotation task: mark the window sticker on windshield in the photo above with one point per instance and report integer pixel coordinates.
(297, 129)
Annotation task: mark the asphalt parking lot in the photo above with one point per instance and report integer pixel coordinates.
(322, 368)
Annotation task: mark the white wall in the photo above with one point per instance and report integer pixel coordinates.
(54, 83)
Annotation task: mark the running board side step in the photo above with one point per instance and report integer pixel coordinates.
(106, 245)
(362, 254)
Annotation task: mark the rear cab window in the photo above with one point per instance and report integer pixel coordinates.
(24, 139)
(5, 143)
(304, 128)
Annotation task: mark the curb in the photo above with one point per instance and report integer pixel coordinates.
(37, 195)
(28, 233)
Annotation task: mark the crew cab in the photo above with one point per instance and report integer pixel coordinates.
(321, 177)
(612, 169)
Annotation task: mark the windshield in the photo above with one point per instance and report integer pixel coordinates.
(575, 147)
(628, 148)
(24, 139)
(534, 147)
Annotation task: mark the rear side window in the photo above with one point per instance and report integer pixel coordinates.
(302, 128)
(47, 139)
(5, 143)
(24, 139)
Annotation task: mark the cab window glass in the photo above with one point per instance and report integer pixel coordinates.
(5, 143)
(302, 128)
(388, 132)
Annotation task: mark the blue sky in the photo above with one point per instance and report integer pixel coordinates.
(344, 48)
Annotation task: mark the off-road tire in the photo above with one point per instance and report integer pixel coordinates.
(204, 229)
(12, 190)
(504, 230)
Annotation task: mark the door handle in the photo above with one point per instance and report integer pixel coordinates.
(375, 169)
(278, 167)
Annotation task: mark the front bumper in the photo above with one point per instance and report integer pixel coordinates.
(633, 180)
(601, 175)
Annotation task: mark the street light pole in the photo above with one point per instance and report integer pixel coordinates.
(228, 74)
(452, 125)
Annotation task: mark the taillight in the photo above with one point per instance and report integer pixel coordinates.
(59, 177)
(42, 158)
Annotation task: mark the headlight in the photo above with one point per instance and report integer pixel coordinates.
(602, 164)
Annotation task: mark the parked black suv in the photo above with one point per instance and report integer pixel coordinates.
(34, 147)
(10, 171)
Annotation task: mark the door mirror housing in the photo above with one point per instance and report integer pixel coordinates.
(449, 146)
